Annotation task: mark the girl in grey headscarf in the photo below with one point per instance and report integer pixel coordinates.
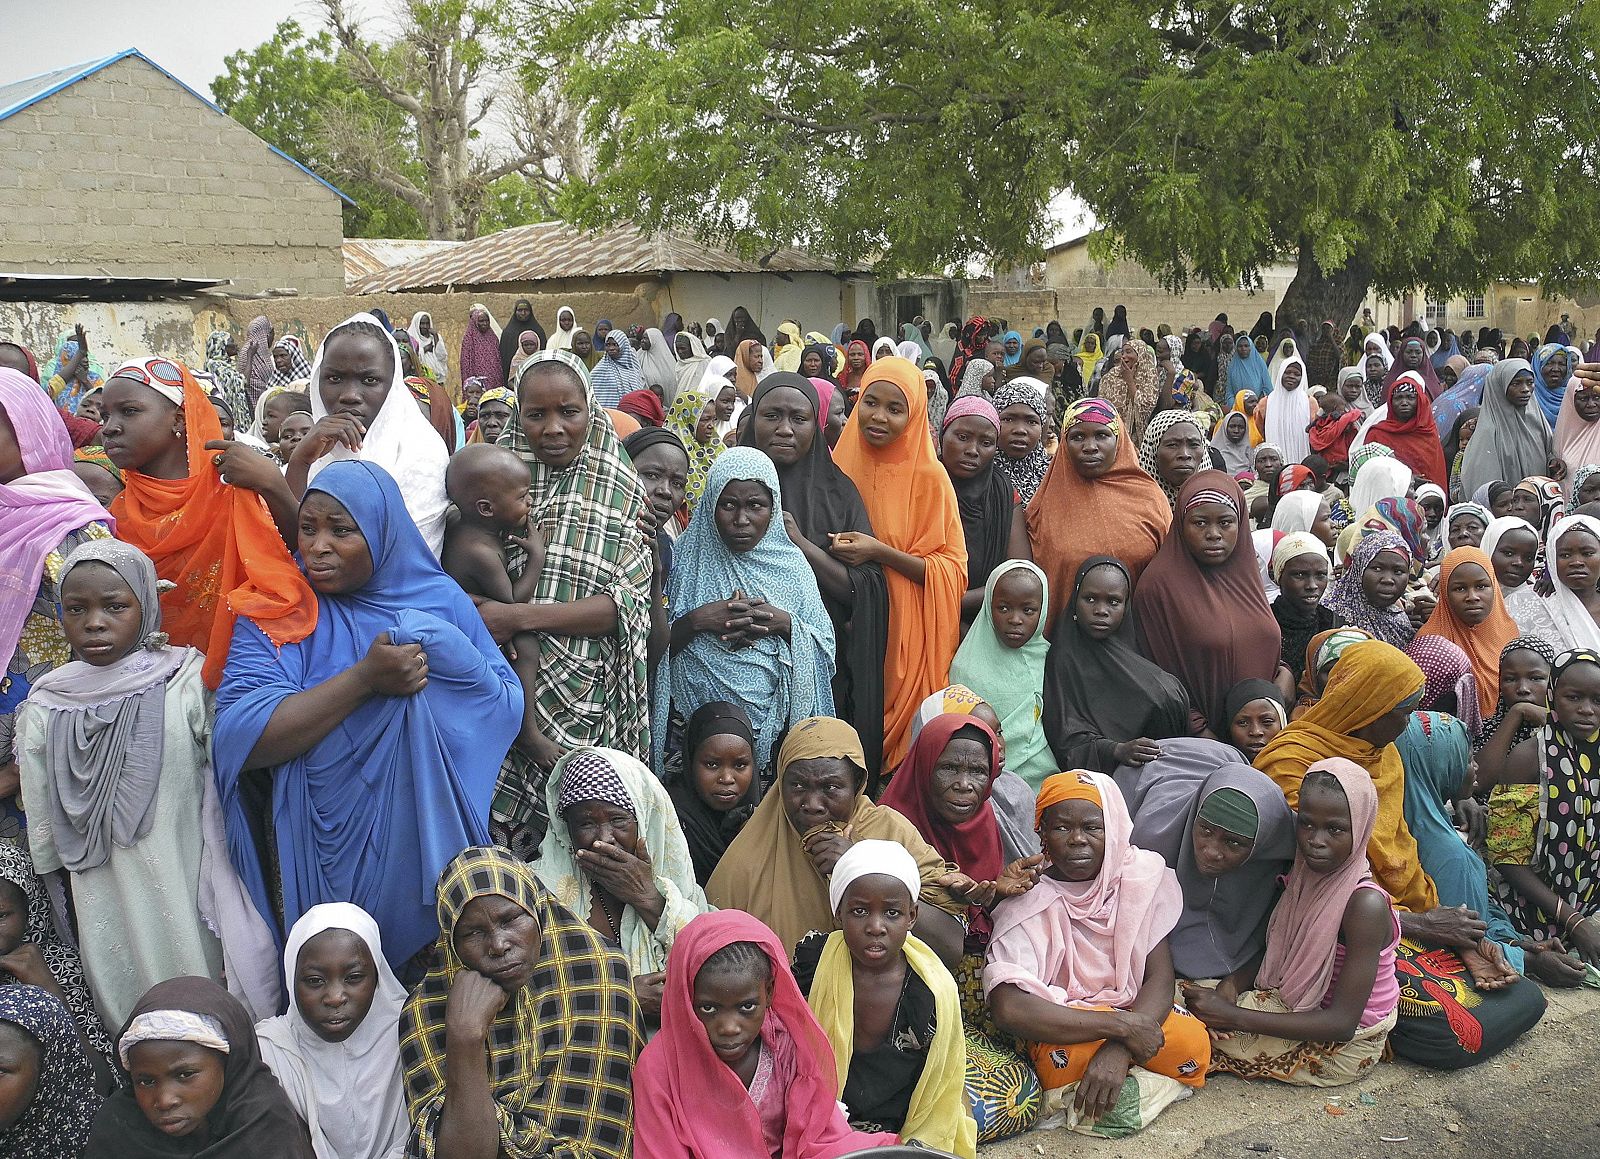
(1512, 441)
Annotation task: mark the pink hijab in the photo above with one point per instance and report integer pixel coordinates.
(39, 509)
(1304, 928)
(688, 1104)
(1575, 441)
(825, 391)
(1085, 943)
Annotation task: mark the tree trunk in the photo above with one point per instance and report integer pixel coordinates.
(1317, 296)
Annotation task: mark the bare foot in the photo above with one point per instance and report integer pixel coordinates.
(1486, 963)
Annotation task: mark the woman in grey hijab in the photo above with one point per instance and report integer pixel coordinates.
(1512, 441)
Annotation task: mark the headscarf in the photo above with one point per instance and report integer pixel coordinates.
(56, 1121)
(1297, 510)
(256, 357)
(104, 726)
(1220, 929)
(231, 385)
(986, 500)
(66, 351)
(682, 419)
(1252, 423)
(777, 681)
(913, 509)
(1150, 444)
(1447, 672)
(1415, 441)
(399, 439)
(559, 1054)
(216, 542)
(938, 1114)
(349, 1092)
(559, 338)
(849, 380)
(1248, 371)
(403, 782)
(643, 405)
(1540, 647)
(1026, 474)
(766, 872)
(1425, 373)
(1136, 399)
(659, 364)
(611, 377)
(1576, 442)
(707, 831)
(1574, 626)
(1347, 598)
(1483, 643)
(42, 507)
(1509, 444)
(977, 369)
(1209, 626)
(511, 336)
(823, 501)
(1122, 514)
(1085, 943)
(1451, 407)
(1289, 412)
(480, 351)
(1237, 454)
(691, 371)
(591, 690)
(252, 1118)
(1102, 692)
(1089, 355)
(1011, 680)
(1303, 935)
(1369, 680)
(1549, 398)
(1378, 476)
(689, 1102)
(299, 368)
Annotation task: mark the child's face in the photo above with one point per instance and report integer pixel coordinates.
(272, 416)
(140, 425)
(1433, 507)
(1524, 677)
(724, 766)
(20, 1056)
(100, 615)
(875, 915)
(732, 1006)
(1015, 607)
(1322, 826)
(334, 984)
(291, 431)
(505, 500)
(89, 407)
(176, 1084)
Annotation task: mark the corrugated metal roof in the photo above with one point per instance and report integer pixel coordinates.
(365, 257)
(547, 251)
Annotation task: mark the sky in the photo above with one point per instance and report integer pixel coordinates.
(188, 38)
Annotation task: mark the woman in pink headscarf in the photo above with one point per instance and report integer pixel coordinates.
(480, 350)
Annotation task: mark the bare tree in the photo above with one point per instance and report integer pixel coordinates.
(446, 71)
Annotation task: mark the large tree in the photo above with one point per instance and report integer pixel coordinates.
(1383, 145)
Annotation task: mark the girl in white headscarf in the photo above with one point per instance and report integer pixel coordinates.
(566, 326)
(658, 365)
(1289, 410)
(345, 1081)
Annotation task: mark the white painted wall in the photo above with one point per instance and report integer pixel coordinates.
(117, 331)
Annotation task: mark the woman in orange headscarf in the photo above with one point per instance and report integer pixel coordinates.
(1471, 614)
(1094, 500)
(886, 451)
(216, 542)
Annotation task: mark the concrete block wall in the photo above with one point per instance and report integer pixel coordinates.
(127, 173)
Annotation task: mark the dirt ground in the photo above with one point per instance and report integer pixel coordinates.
(1535, 1099)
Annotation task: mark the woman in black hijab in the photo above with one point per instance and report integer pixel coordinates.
(821, 500)
(741, 328)
(718, 754)
(522, 320)
(1104, 703)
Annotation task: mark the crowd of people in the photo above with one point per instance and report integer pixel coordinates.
(666, 742)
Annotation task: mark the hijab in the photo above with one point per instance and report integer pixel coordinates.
(977, 369)
(1349, 600)
(55, 1123)
(511, 336)
(1236, 452)
(1102, 692)
(299, 367)
(986, 500)
(1303, 935)
(691, 371)
(1150, 444)
(1509, 443)
(1011, 679)
(252, 1119)
(1415, 441)
(1209, 626)
(659, 364)
(614, 376)
(913, 509)
(1549, 398)
(480, 352)
(1248, 371)
(1223, 917)
(707, 831)
(349, 1092)
(39, 509)
(1135, 395)
(1576, 442)
(683, 419)
(1574, 626)
(1026, 474)
(1289, 412)
(1483, 643)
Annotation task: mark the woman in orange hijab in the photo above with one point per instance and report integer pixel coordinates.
(1471, 614)
(886, 451)
(218, 543)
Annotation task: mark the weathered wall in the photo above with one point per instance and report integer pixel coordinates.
(816, 301)
(126, 173)
(117, 331)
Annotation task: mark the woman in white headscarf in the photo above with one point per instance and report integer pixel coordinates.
(348, 1088)
(397, 437)
(1289, 409)
(566, 326)
(658, 364)
(431, 350)
(691, 366)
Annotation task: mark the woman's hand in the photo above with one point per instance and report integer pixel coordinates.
(649, 989)
(1019, 877)
(1137, 752)
(1556, 469)
(329, 432)
(470, 1010)
(1526, 713)
(27, 965)
(1548, 962)
(792, 529)
(1472, 815)
(768, 620)
(1102, 1080)
(241, 465)
(394, 669)
(1455, 926)
(854, 548)
(825, 845)
(1585, 938)
(967, 891)
(628, 877)
(1215, 1010)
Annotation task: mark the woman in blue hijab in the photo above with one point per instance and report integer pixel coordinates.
(748, 622)
(1248, 370)
(376, 741)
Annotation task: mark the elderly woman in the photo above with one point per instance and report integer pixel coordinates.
(592, 607)
(748, 624)
(778, 866)
(615, 855)
(523, 1035)
(1094, 500)
(372, 745)
(1461, 1002)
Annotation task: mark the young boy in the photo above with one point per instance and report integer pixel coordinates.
(489, 487)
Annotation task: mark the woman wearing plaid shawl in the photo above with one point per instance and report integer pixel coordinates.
(527, 1021)
(592, 608)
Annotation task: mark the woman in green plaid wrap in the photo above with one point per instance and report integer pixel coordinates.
(591, 611)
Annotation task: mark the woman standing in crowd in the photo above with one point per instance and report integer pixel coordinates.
(992, 517)
(1512, 440)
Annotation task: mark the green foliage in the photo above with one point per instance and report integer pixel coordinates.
(1391, 143)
